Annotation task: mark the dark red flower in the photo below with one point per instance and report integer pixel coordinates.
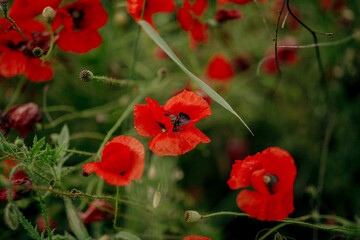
(172, 124)
(135, 7)
(219, 69)
(224, 15)
(237, 149)
(23, 117)
(188, 19)
(4, 123)
(9, 164)
(332, 5)
(25, 10)
(41, 224)
(272, 174)
(285, 56)
(16, 194)
(242, 62)
(16, 53)
(81, 21)
(98, 210)
(292, 23)
(239, 2)
(196, 237)
(122, 160)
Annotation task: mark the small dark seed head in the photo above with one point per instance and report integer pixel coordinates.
(52, 182)
(38, 52)
(86, 75)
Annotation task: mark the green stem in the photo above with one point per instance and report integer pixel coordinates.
(59, 108)
(51, 44)
(80, 152)
(16, 27)
(116, 206)
(119, 82)
(224, 213)
(15, 94)
(272, 230)
(93, 135)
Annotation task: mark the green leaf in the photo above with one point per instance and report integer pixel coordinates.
(74, 220)
(64, 137)
(32, 231)
(126, 236)
(208, 90)
(37, 145)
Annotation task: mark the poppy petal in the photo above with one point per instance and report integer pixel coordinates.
(145, 123)
(184, 19)
(219, 68)
(79, 42)
(199, 7)
(36, 72)
(173, 144)
(109, 177)
(12, 63)
(190, 103)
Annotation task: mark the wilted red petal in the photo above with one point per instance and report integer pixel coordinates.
(173, 144)
(23, 117)
(219, 68)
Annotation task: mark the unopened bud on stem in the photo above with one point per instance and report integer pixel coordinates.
(4, 5)
(48, 14)
(192, 216)
(86, 75)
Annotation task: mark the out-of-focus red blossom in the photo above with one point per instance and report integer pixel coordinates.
(237, 149)
(159, 53)
(198, 91)
(16, 53)
(41, 224)
(242, 62)
(23, 117)
(16, 194)
(285, 56)
(25, 10)
(225, 15)
(4, 123)
(172, 124)
(81, 21)
(219, 69)
(196, 237)
(239, 2)
(122, 160)
(135, 7)
(291, 22)
(8, 165)
(332, 5)
(188, 18)
(272, 174)
(96, 212)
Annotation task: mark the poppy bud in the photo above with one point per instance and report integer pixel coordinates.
(11, 216)
(19, 143)
(48, 14)
(86, 75)
(23, 117)
(156, 199)
(121, 18)
(4, 5)
(38, 52)
(192, 216)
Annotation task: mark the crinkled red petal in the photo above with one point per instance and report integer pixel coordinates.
(109, 177)
(145, 123)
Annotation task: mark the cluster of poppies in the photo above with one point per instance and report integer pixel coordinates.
(74, 27)
(271, 173)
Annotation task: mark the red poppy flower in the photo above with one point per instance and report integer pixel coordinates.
(188, 19)
(239, 2)
(16, 194)
(272, 174)
(96, 212)
(23, 117)
(24, 10)
(81, 20)
(122, 160)
(219, 69)
(135, 7)
(196, 237)
(285, 56)
(224, 15)
(172, 124)
(16, 53)
(291, 22)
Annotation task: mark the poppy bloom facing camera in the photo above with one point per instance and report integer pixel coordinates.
(172, 124)
(122, 160)
(272, 174)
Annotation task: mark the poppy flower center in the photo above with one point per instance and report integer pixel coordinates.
(270, 181)
(178, 121)
(77, 16)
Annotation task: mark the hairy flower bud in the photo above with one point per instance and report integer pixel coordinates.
(19, 143)
(48, 14)
(86, 75)
(11, 215)
(38, 52)
(4, 5)
(192, 216)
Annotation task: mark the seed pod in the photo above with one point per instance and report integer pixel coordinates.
(192, 216)
(86, 75)
(11, 216)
